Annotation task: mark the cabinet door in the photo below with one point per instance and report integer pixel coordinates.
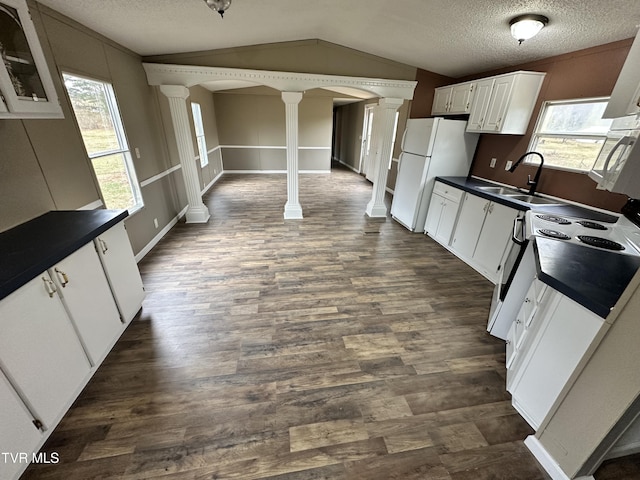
(498, 104)
(121, 269)
(441, 100)
(566, 332)
(24, 76)
(447, 221)
(492, 242)
(479, 105)
(461, 96)
(18, 433)
(469, 225)
(433, 215)
(86, 294)
(39, 350)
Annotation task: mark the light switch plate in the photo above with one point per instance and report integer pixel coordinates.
(493, 163)
(508, 165)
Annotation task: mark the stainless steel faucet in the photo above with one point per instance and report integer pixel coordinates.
(531, 183)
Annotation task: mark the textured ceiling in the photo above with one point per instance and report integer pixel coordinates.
(450, 37)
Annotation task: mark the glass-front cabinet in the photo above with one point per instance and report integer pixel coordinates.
(25, 83)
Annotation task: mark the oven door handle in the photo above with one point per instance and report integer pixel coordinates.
(514, 235)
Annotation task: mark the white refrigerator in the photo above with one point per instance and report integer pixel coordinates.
(431, 147)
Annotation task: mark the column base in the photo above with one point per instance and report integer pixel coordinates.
(376, 211)
(198, 214)
(548, 463)
(292, 212)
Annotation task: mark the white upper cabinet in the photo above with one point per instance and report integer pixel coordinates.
(26, 87)
(625, 97)
(454, 99)
(499, 104)
(510, 103)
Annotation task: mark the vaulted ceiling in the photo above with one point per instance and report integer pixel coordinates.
(449, 37)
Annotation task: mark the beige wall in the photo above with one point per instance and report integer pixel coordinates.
(304, 56)
(45, 165)
(257, 122)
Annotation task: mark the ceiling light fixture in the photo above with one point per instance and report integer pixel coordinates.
(523, 27)
(219, 6)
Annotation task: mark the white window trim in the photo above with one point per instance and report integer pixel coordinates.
(124, 150)
(535, 135)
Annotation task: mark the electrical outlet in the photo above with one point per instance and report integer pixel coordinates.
(508, 165)
(137, 150)
(493, 163)
(155, 222)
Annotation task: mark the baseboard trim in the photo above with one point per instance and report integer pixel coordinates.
(210, 184)
(350, 167)
(154, 241)
(547, 461)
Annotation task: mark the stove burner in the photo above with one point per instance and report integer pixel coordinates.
(590, 224)
(554, 234)
(554, 219)
(600, 242)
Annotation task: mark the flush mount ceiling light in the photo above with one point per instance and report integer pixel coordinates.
(219, 6)
(523, 27)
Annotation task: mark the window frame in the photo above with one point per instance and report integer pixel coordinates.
(535, 136)
(121, 137)
(201, 141)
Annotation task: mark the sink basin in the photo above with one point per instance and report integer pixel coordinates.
(501, 190)
(534, 199)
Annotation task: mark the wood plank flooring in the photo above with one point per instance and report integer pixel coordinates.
(337, 347)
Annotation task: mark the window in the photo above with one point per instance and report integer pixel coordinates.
(202, 144)
(94, 105)
(570, 133)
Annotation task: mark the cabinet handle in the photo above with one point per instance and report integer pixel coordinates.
(62, 276)
(508, 342)
(486, 206)
(49, 286)
(518, 321)
(471, 88)
(527, 300)
(38, 424)
(103, 246)
(467, 107)
(491, 208)
(498, 123)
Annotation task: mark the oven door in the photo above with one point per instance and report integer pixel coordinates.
(499, 317)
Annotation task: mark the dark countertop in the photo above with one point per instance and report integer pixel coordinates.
(472, 185)
(29, 249)
(592, 277)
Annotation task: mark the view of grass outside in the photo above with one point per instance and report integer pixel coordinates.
(96, 112)
(571, 153)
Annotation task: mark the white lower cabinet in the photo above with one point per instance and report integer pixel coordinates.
(443, 210)
(119, 264)
(19, 434)
(482, 233)
(39, 350)
(86, 294)
(56, 330)
(555, 334)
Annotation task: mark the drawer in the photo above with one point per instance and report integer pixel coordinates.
(448, 192)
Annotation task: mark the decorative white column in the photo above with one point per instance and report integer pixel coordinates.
(384, 119)
(197, 211)
(292, 209)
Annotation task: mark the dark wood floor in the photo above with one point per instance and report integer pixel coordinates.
(335, 347)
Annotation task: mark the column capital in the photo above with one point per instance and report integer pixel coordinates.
(291, 97)
(175, 91)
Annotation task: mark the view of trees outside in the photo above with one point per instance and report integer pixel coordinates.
(571, 135)
(104, 146)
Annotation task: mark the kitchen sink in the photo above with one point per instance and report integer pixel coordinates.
(501, 190)
(534, 199)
